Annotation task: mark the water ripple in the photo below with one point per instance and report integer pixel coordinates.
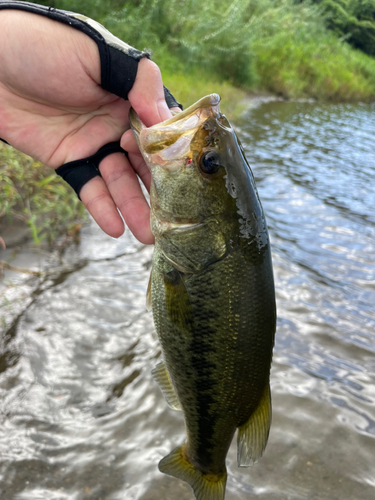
(80, 415)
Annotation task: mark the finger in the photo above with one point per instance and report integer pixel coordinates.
(96, 198)
(136, 159)
(139, 165)
(177, 110)
(123, 185)
(147, 94)
(129, 143)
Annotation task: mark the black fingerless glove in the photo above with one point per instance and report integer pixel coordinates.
(119, 65)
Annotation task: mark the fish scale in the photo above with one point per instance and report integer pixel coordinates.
(212, 292)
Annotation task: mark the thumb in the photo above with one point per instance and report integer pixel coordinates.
(147, 94)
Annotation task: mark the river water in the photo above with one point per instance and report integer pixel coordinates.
(80, 415)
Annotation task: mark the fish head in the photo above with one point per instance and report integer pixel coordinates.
(199, 173)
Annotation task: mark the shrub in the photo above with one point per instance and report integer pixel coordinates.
(353, 20)
(33, 193)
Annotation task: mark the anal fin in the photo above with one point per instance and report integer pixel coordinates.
(161, 375)
(253, 435)
(205, 486)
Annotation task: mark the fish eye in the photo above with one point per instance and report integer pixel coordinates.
(210, 162)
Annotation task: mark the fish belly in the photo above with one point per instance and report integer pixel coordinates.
(216, 330)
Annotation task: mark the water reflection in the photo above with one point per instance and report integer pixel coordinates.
(81, 417)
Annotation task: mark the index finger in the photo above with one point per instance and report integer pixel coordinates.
(147, 94)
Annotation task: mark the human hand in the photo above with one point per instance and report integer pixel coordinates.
(53, 108)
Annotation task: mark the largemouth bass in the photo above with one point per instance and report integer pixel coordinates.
(211, 291)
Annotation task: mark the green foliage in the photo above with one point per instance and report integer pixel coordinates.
(354, 20)
(297, 57)
(30, 192)
(281, 46)
(96, 9)
(191, 86)
(278, 45)
(214, 33)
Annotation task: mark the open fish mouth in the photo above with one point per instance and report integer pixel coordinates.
(209, 101)
(168, 143)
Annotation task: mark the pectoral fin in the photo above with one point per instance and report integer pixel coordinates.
(161, 375)
(253, 435)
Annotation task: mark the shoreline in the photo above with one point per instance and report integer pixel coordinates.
(25, 266)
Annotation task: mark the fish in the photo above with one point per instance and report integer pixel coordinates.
(211, 292)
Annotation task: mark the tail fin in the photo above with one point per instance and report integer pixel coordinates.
(205, 486)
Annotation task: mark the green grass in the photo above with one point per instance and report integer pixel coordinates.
(274, 45)
(191, 85)
(296, 56)
(353, 20)
(188, 89)
(309, 71)
(230, 47)
(281, 46)
(33, 193)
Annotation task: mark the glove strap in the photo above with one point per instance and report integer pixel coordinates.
(78, 172)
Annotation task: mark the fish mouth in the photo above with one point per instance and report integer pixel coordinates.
(212, 100)
(167, 144)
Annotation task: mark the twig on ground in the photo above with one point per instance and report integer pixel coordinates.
(5, 265)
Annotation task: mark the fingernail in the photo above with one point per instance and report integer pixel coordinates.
(164, 111)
